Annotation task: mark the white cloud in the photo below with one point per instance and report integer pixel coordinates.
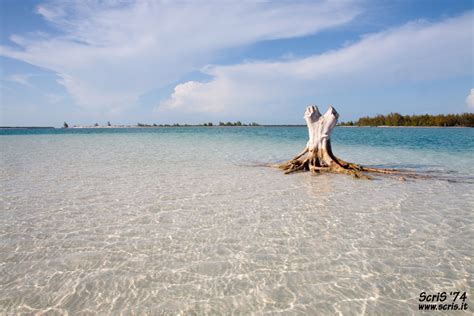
(28, 81)
(108, 53)
(470, 99)
(412, 53)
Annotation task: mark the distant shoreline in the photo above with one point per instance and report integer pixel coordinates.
(415, 120)
(386, 126)
(201, 126)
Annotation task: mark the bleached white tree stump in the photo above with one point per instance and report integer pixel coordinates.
(317, 156)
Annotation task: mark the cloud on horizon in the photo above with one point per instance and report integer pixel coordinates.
(470, 99)
(107, 54)
(413, 53)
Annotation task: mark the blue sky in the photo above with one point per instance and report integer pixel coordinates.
(192, 62)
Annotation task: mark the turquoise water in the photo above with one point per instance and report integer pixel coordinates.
(446, 139)
(188, 220)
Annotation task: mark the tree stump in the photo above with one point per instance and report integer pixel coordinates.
(317, 157)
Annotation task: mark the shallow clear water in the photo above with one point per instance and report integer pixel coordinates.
(187, 220)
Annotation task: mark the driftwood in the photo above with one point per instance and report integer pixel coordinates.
(317, 156)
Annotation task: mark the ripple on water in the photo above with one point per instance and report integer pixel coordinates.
(134, 224)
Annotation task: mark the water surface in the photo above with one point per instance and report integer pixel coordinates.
(186, 220)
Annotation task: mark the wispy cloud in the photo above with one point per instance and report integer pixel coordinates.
(23, 79)
(108, 53)
(53, 98)
(415, 52)
(470, 99)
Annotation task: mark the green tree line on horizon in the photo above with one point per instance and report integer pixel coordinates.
(238, 123)
(396, 119)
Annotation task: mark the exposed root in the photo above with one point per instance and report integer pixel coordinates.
(314, 162)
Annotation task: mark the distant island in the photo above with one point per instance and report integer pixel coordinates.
(208, 124)
(396, 119)
(390, 120)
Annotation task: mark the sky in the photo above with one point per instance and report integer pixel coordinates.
(208, 61)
